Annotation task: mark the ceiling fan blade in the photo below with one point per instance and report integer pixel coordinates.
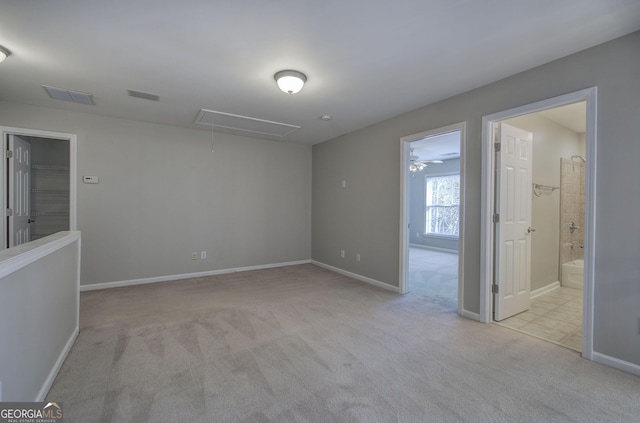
(430, 161)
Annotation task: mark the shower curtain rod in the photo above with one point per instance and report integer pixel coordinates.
(545, 187)
(538, 188)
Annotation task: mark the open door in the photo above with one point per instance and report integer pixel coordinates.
(512, 269)
(19, 187)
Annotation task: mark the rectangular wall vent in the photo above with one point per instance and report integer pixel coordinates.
(69, 95)
(143, 95)
(244, 123)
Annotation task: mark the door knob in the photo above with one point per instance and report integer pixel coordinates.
(530, 229)
(31, 221)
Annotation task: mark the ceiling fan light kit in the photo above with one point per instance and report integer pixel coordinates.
(417, 165)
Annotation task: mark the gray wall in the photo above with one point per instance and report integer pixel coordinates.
(550, 142)
(163, 194)
(366, 215)
(417, 202)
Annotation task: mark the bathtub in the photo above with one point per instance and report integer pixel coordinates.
(573, 274)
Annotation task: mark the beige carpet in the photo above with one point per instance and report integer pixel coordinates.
(302, 344)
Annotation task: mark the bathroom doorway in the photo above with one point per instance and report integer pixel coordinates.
(556, 204)
(563, 140)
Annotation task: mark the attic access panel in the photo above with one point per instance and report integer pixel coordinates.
(244, 123)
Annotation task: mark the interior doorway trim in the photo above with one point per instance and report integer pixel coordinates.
(73, 143)
(404, 209)
(488, 195)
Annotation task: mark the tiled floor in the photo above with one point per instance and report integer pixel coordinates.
(555, 316)
(434, 275)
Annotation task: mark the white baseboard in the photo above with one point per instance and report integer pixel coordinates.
(616, 363)
(117, 284)
(44, 390)
(545, 289)
(356, 276)
(470, 315)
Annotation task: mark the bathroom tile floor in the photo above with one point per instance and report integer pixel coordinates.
(555, 316)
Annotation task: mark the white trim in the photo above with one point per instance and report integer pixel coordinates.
(44, 390)
(441, 236)
(429, 247)
(78, 276)
(143, 281)
(545, 289)
(73, 157)
(616, 363)
(470, 315)
(15, 258)
(488, 185)
(404, 207)
(356, 276)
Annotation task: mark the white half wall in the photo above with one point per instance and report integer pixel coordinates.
(39, 313)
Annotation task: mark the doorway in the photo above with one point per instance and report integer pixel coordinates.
(432, 216)
(543, 226)
(38, 184)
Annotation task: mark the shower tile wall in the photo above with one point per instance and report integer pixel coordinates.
(572, 189)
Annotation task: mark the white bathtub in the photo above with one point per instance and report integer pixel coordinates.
(573, 274)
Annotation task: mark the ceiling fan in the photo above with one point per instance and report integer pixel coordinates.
(417, 165)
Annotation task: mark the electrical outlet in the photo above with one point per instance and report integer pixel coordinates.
(194, 255)
(357, 256)
(342, 254)
(344, 183)
(203, 255)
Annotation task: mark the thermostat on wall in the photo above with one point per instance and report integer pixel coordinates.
(90, 179)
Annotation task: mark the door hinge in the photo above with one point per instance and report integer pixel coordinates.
(497, 146)
(494, 289)
(9, 154)
(496, 218)
(9, 212)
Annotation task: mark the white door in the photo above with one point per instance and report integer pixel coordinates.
(513, 229)
(19, 184)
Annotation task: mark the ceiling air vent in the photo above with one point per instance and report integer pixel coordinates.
(68, 95)
(244, 123)
(143, 95)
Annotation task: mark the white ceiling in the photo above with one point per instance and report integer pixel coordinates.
(366, 61)
(438, 147)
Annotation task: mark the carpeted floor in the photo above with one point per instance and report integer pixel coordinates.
(434, 274)
(302, 344)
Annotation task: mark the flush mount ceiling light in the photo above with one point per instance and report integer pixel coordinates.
(290, 81)
(3, 53)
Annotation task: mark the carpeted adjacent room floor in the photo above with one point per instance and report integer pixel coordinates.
(303, 344)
